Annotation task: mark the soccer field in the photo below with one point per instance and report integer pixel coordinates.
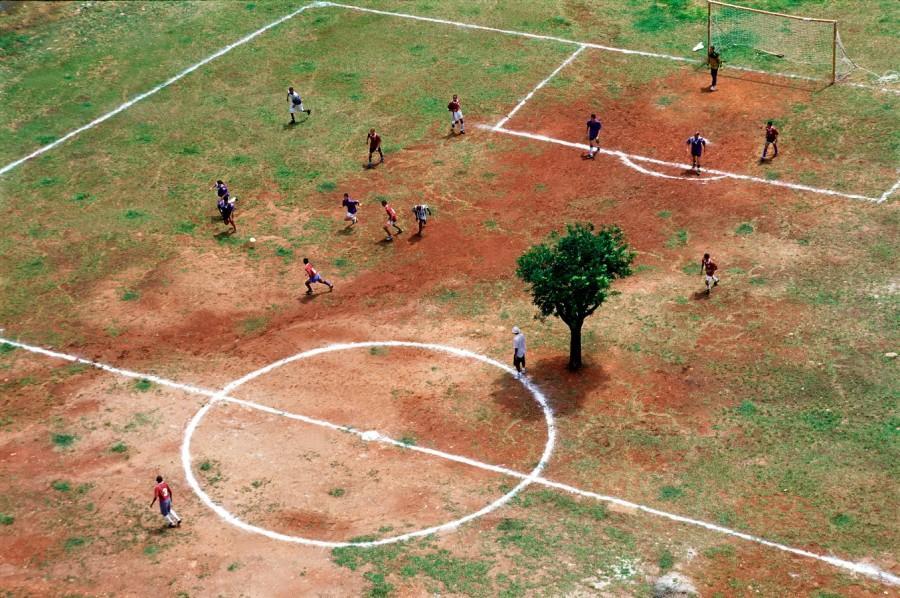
(374, 439)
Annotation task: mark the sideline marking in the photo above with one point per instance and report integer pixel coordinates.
(889, 192)
(865, 569)
(722, 173)
(222, 512)
(159, 87)
(531, 93)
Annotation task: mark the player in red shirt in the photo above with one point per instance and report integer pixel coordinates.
(456, 116)
(771, 139)
(374, 141)
(709, 267)
(163, 493)
(313, 276)
(391, 221)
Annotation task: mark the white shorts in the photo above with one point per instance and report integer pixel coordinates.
(350, 216)
(711, 279)
(296, 107)
(456, 116)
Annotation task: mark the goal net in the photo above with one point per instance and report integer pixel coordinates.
(777, 43)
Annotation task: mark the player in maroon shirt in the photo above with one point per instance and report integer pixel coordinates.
(374, 141)
(709, 267)
(771, 139)
(456, 116)
(162, 492)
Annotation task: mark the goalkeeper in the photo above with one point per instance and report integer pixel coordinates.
(715, 61)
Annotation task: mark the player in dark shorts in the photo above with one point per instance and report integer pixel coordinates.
(221, 190)
(771, 139)
(226, 209)
(352, 206)
(374, 141)
(715, 61)
(456, 116)
(696, 144)
(593, 134)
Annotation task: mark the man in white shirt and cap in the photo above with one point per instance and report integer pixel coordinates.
(518, 350)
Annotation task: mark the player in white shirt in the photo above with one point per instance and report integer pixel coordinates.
(295, 103)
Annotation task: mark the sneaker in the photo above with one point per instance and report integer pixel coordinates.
(178, 524)
(715, 283)
(171, 525)
(389, 238)
(354, 221)
(309, 112)
(462, 132)
(712, 88)
(309, 292)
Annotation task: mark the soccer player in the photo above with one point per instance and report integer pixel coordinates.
(352, 206)
(709, 267)
(226, 209)
(374, 141)
(771, 139)
(313, 276)
(422, 212)
(162, 492)
(295, 104)
(391, 220)
(696, 144)
(221, 190)
(456, 116)
(593, 134)
(715, 61)
(518, 350)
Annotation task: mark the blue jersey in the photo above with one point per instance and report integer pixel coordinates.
(697, 144)
(351, 205)
(594, 127)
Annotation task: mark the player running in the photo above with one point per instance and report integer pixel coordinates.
(162, 492)
(709, 267)
(771, 139)
(422, 212)
(313, 276)
(352, 206)
(295, 103)
(374, 141)
(221, 190)
(456, 116)
(593, 134)
(391, 221)
(226, 209)
(696, 144)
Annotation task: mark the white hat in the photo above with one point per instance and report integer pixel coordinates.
(516, 330)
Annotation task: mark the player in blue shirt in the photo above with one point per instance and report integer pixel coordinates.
(352, 206)
(593, 135)
(696, 144)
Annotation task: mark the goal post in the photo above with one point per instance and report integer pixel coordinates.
(777, 43)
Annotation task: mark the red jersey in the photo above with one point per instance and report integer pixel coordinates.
(374, 141)
(771, 134)
(162, 492)
(711, 267)
(310, 271)
(392, 215)
(453, 106)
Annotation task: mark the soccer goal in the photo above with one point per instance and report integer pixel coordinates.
(777, 43)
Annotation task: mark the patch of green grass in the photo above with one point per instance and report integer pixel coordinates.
(720, 551)
(130, 295)
(665, 100)
(378, 351)
(408, 440)
(185, 228)
(119, 447)
(490, 224)
(758, 280)
(337, 492)
(744, 228)
(665, 561)
(326, 186)
(63, 440)
(679, 239)
(746, 408)
(511, 525)
(190, 150)
(6, 348)
(206, 466)
(664, 214)
(6, 519)
(234, 566)
(254, 324)
(61, 486)
(822, 421)
(670, 493)
(75, 543)
(143, 385)
(380, 587)
(151, 550)
(665, 15)
(132, 214)
(841, 520)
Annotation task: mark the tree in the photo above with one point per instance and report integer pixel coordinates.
(570, 276)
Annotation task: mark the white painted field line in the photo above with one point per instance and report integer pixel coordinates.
(159, 87)
(884, 196)
(111, 369)
(563, 40)
(721, 173)
(860, 568)
(531, 93)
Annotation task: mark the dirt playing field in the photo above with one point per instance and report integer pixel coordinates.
(767, 407)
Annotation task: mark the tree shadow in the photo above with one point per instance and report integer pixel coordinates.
(565, 390)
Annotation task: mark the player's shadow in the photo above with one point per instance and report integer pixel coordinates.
(214, 219)
(566, 391)
(344, 232)
(294, 125)
(224, 234)
(700, 296)
(414, 238)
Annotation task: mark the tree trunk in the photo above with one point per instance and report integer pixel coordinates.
(575, 345)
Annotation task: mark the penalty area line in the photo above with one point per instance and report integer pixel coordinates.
(864, 569)
(722, 174)
(884, 196)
